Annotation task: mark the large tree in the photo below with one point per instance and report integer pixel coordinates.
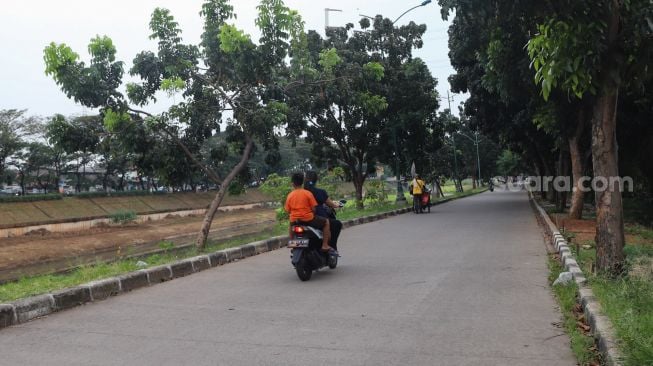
(593, 50)
(79, 138)
(15, 127)
(379, 93)
(227, 71)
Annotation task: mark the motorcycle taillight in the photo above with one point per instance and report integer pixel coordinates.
(298, 230)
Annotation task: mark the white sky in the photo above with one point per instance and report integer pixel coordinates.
(27, 26)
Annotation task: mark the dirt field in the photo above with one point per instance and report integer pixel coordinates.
(48, 252)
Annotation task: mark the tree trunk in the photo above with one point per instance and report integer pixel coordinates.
(438, 189)
(563, 171)
(358, 180)
(577, 169)
(609, 210)
(547, 184)
(22, 183)
(203, 235)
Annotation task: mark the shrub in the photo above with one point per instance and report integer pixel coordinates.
(123, 217)
(31, 198)
(376, 192)
(277, 187)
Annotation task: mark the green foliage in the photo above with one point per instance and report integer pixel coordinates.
(166, 246)
(114, 120)
(102, 48)
(57, 57)
(123, 217)
(581, 344)
(277, 113)
(282, 215)
(376, 192)
(173, 85)
(329, 59)
(277, 187)
(374, 71)
(627, 302)
(236, 188)
(372, 104)
(561, 58)
(233, 39)
(31, 198)
(508, 163)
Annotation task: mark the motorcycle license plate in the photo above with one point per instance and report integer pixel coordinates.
(297, 243)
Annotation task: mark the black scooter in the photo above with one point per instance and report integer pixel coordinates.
(306, 250)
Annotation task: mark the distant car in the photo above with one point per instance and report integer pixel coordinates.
(12, 191)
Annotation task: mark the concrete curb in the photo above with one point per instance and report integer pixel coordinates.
(600, 325)
(24, 310)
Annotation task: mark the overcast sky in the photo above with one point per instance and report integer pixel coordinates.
(27, 26)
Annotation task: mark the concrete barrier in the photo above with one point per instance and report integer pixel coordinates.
(103, 289)
(181, 268)
(133, 280)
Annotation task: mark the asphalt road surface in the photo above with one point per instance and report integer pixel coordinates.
(463, 285)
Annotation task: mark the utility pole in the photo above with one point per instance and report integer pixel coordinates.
(459, 187)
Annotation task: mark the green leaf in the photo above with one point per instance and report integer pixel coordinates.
(233, 39)
(329, 59)
(373, 70)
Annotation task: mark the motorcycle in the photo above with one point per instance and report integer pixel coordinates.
(306, 250)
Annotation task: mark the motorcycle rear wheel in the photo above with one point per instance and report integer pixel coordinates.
(303, 272)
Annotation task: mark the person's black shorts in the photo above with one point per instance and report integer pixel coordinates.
(318, 222)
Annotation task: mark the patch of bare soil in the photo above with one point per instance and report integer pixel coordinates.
(585, 230)
(43, 252)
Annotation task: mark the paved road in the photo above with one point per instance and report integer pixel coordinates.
(463, 285)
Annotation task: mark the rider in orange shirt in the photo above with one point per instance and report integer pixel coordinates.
(301, 204)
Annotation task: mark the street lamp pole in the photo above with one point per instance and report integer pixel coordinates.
(478, 158)
(455, 159)
(424, 3)
(400, 190)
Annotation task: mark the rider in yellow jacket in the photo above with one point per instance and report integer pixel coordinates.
(417, 187)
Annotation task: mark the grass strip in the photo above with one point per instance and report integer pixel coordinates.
(628, 300)
(582, 344)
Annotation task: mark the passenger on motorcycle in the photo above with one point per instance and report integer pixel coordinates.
(325, 206)
(301, 205)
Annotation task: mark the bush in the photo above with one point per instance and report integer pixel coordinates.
(282, 215)
(31, 198)
(376, 192)
(277, 187)
(236, 188)
(123, 217)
